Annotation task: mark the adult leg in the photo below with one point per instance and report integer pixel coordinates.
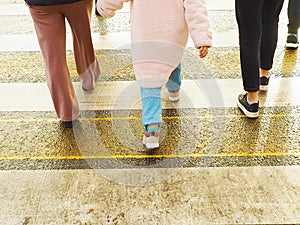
(51, 33)
(294, 16)
(270, 18)
(248, 14)
(85, 57)
(292, 41)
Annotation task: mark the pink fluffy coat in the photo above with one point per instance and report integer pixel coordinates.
(159, 33)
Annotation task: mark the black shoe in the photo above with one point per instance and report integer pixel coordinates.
(250, 111)
(96, 11)
(292, 42)
(67, 124)
(87, 90)
(264, 82)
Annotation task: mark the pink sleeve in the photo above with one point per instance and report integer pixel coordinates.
(196, 16)
(107, 8)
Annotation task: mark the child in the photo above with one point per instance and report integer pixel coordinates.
(159, 33)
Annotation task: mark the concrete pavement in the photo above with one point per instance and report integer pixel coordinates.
(214, 165)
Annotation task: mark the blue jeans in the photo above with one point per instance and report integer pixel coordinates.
(151, 101)
(174, 81)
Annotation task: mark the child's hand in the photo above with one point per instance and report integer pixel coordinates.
(203, 50)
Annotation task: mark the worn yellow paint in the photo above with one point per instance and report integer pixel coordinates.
(221, 155)
(144, 156)
(139, 118)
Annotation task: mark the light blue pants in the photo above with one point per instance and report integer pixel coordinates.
(151, 101)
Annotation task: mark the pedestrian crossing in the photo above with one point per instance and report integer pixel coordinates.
(119, 40)
(36, 97)
(214, 165)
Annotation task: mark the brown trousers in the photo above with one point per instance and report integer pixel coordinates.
(49, 23)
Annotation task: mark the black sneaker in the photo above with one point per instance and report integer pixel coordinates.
(264, 82)
(96, 11)
(67, 124)
(250, 111)
(292, 42)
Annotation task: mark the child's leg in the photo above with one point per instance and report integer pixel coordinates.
(174, 81)
(151, 116)
(151, 106)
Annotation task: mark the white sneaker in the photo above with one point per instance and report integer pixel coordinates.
(151, 138)
(174, 96)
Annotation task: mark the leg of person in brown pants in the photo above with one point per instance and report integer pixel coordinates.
(49, 22)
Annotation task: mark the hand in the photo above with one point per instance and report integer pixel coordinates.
(203, 50)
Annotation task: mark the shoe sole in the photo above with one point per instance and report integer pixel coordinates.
(173, 99)
(246, 112)
(263, 87)
(291, 46)
(87, 90)
(150, 145)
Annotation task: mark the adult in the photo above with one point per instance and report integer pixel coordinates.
(49, 17)
(292, 41)
(258, 33)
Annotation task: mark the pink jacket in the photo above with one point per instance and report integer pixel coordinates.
(159, 33)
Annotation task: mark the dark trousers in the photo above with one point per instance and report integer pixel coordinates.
(294, 16)
(258, 33)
